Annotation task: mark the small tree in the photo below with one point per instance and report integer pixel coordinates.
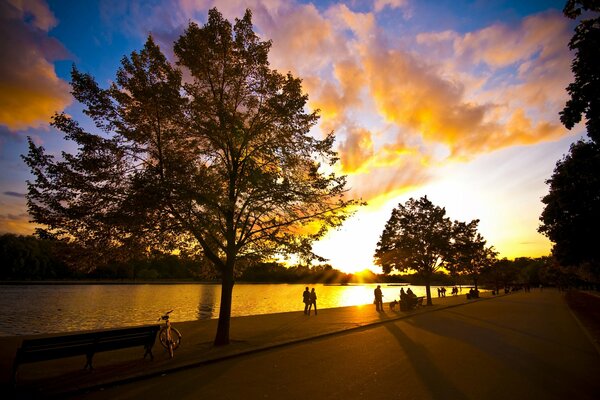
(221, 164)
(417, 237)
(470, 256)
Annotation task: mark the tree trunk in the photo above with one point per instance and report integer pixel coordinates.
(428, 289)
(222, 337)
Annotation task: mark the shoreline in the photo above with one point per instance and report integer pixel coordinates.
(250, 335)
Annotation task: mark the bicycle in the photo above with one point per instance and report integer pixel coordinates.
(169, 337)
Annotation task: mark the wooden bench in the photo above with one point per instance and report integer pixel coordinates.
(417, 302)
(55, 347)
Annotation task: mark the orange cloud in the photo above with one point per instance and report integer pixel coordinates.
(399, 107)
(384, 183)
(356, 149)
(30, 91)
(501, 45)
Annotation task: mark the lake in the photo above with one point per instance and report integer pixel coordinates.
(33, 309)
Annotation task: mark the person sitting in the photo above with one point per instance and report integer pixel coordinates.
(403, 300)
(473, 294)
(411, 299)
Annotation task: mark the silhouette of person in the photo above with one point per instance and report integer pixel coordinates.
(306, 299)
(411, 298)
(312, 301)
(378, 298)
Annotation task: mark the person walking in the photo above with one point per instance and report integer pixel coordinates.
(378, 298)
(312, 301)
(306, 299)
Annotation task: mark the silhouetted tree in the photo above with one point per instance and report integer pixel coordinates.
(585, 90)
(470, 256)
(31, 258)
(572, 213)
(222, 164)
(417, 237)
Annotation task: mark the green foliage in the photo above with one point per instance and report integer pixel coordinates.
(572, 207)
(29, 258)
(585, 90)
(415, 238)
(221, 165)
(276, 272)
(419, 238)
(469, 255)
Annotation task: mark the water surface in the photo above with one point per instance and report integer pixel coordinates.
(32, 309)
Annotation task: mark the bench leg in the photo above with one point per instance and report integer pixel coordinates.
(88, 363)
(148, 352)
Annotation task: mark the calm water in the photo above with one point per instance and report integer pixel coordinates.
(31, 309)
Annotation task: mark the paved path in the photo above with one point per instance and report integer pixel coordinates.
(525, 345)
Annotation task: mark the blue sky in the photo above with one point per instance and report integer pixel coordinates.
(457, 100)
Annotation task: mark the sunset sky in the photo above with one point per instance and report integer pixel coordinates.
(456, 100)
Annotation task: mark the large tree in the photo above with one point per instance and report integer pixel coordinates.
(221, 162)
(571, 215)
(585, 90)
(417, 237)
(572, 206)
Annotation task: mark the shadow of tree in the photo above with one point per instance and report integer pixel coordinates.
(434, 379)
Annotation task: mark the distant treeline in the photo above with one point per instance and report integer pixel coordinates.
(25, 258)
(32, 258)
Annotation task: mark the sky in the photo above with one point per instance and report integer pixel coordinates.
(457, 100)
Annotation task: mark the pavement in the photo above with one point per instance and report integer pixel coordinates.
(255, 334)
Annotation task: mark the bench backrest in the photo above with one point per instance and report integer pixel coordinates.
(40, 349)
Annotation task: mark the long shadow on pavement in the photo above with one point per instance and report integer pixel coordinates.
(432, 377)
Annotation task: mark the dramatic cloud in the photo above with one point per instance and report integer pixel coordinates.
(356, 149)
(399, 107)
(30, 91)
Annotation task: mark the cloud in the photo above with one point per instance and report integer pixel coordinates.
(15, 194)
(16, 223)
(539, 36)
(400, 106)
(30, 90)
(379, 5)
(356, 150)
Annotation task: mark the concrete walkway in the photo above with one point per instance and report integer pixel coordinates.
(554, 333)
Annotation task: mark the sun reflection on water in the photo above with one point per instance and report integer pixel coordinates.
(31, 309)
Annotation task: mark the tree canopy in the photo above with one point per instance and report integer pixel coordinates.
(420, 237)
(469, 255)
(572, 206)
(416, 237)
(221, 163)
(571, 214)
(585, 90)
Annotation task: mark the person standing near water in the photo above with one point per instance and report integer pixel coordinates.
(378, 298)
(306, 299)
(312, 300)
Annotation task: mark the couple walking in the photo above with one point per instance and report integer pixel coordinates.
(309, 299)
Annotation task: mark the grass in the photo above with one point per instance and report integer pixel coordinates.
(587, 308)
